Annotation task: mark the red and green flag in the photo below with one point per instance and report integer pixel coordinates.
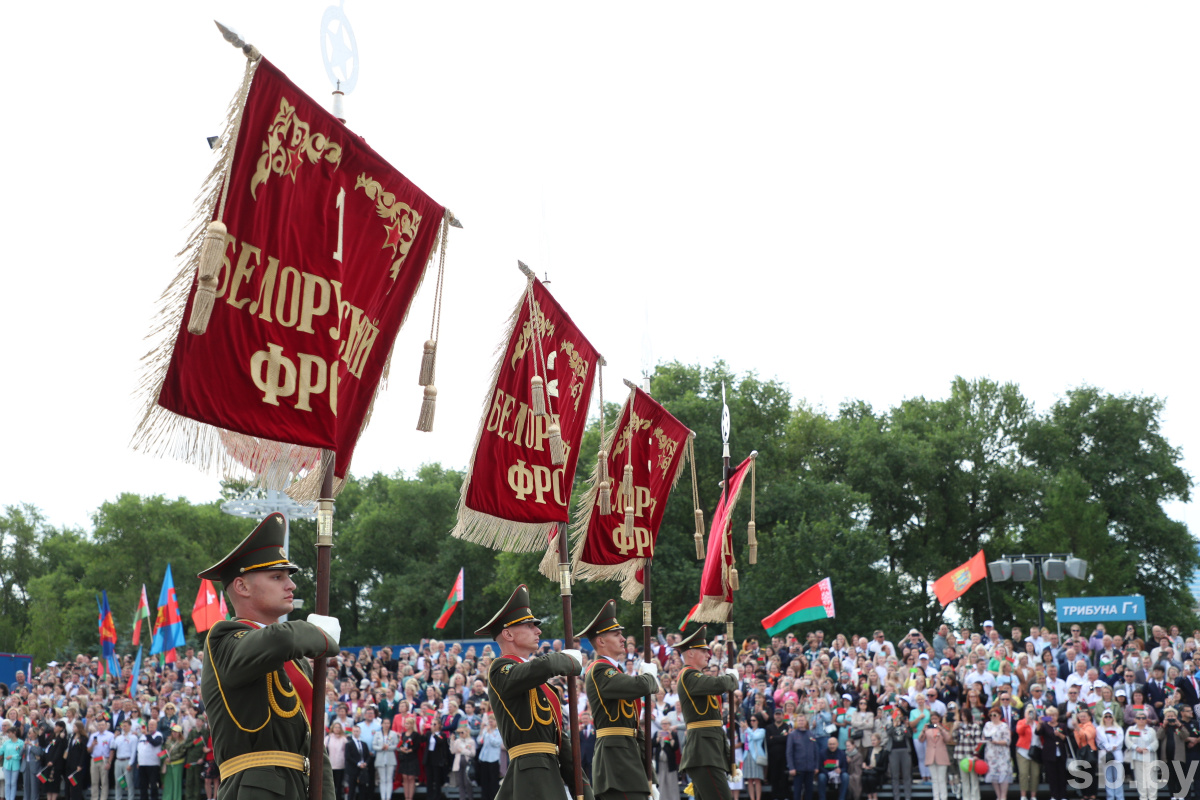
(814, 603)
(683, 625)
(142, 613)
(456, 596)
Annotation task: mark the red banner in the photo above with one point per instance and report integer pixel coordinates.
(716, 589)
(513, 493)
(655, 444)
(326, 246)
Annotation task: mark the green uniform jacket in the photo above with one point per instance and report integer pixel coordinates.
(525, 716)
(620, 761)
(700, 699)
(252, 706)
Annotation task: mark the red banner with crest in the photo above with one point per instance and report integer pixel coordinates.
(716, 585)
(655, 444)
(325, 248)
(514, 494)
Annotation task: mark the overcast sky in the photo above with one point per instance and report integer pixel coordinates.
(862, 200)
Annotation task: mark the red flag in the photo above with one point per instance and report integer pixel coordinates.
(513, 493)
(716, 590)
(142, 613)
(954, 583)
(206, 611)
(654, 443)
(456, 596)
(326, 247)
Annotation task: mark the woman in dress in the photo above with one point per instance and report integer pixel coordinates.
(1054, 752)
(406, 758)
(998, 737)
(755, 737)
(874, 766)
(666, 761)
(56, 757)
(77, 762)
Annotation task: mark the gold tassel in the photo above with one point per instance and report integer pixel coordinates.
(699, 547)
(558, 452)
(627, 484)
(605, 498)
(699, 523)
(212, 251)
(602, 465)
(733, 578)
(753, 543)
(428, 406)
(539, 396)
(629, 517)
(428, 358)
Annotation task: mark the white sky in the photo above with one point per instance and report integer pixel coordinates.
(879, 195)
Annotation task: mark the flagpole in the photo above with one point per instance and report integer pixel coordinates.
(316, 750)
(564, 583)
(729, 652)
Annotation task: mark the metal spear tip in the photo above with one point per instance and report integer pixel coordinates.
(521, 265)
(454, 223)
(230, 35)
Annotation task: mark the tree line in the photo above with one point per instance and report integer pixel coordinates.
(880, 501)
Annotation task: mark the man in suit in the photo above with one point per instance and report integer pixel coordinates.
(437, 760)
(1156, 690)
(1189, 689)
(1128, 683)
(777, 774)
(357, 773)
(587, 742)
(1073, 704)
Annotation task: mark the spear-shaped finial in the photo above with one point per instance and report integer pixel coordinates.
(235, 39)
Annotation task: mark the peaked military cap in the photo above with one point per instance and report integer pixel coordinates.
(604, 622)
(699, 638)
(261, 550)
(514, 612)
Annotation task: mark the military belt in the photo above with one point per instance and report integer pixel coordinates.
(533, 747)
(266, 758)
(705, 723)
(602, 732)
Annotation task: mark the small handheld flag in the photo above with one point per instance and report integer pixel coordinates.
(452, 601)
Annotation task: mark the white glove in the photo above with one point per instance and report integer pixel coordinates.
(653, 792)
(578, 656)
(650, 668)
(332, 628)
(733, 673)
(737, 775)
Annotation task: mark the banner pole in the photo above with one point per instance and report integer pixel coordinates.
(730, 655)
(647, 632)
(564, 584)
(316, 750)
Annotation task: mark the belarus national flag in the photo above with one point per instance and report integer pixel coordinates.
(456, 596)
(168, 627)
(206, 611)
(683, 625)
(142, 613)
(814, 603)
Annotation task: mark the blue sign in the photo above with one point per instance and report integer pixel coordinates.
(1100, 609)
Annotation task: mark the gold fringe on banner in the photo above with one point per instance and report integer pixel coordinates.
(484, 529)
(713, 608)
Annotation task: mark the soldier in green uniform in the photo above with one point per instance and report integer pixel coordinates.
(528, 712)
(615, 699)
(193, 762)
(257, 682)
(706, 757)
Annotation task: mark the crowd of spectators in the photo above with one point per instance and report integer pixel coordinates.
(814, 717)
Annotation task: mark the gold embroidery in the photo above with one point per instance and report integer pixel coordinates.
(579, 366)
(544, 328)
(285, 158)
(401, 221)
(666, 450)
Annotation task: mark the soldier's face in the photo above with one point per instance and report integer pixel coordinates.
(525, 636)
(271, 591)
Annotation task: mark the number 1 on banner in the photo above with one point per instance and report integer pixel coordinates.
(341, 207)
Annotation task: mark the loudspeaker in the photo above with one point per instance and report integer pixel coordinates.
(1000, 571)
(1054, 569)
(1022, 570)
(1077, 568)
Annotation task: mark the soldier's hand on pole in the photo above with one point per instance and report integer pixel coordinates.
(578, 656)
(331, 626)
